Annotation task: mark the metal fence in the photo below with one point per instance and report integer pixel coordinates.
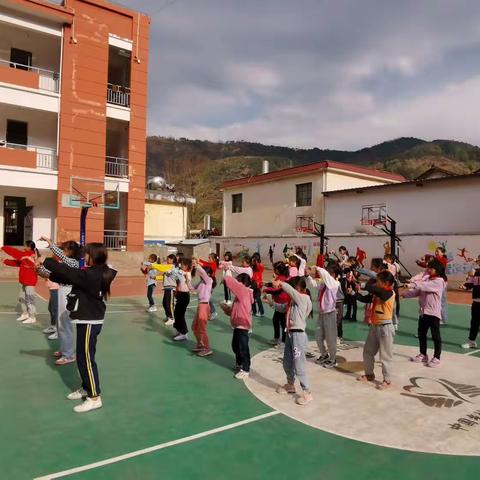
(46, 157)
(118, 95)
(49, 80)
(115, 239)
(116, 167)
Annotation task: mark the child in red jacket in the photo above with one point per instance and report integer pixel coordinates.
(27, 277)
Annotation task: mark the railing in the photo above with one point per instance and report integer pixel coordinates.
(49, 80)
(115, 239)
(118, 95)
(116, 167)
(46, 157)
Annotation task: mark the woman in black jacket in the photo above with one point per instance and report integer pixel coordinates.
(86, 303)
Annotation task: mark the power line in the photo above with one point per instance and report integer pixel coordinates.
(167, 4)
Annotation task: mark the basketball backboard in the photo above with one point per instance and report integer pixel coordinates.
(374, 215)
(91, 192)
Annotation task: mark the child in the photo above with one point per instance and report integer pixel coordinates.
(296, 344)
(257, 284)
(343, 256)
(199, 325)
(349, 281)
(336, 272)
(381, 333)
(52, 310)
(151, 275)
(279, 302)
(227, 262)
(429, 288)
(241, 320)
(246, 267)
(327, 317)
(293, 264)
(24, 260)
(213, 264)
(86, 304)
(473, 284)
(184, 287)
(297, 265)
(169, 286)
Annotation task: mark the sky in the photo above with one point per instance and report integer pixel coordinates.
(338, 74)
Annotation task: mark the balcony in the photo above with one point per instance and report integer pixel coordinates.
(118, 95)
(115, 239)
(116, 167)
(33, 156)
(29, 76)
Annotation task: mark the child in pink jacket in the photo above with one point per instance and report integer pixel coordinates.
(241, 320)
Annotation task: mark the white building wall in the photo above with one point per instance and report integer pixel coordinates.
(341, 181)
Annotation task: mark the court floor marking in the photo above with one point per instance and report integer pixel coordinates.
(473, 352)
(155, 448)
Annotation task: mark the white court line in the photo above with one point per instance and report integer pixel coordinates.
(473, 352)
(155, 448)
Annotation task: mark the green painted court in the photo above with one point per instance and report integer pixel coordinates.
(156, 392)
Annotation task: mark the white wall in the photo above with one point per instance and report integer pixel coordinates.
(341, 181)
(165, 221)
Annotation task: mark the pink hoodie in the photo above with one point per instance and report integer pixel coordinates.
(241, 316)
(429, 291)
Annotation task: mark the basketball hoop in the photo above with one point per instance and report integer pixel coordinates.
(374, 215)
(304, 230)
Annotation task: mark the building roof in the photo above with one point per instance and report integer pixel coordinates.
(314, 167)
(170, 197)
(418, 183)
(435, 172)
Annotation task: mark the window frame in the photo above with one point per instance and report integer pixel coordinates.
(303, 196)
(235, 207)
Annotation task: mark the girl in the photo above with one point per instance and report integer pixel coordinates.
(241, 320)
(151, 277)
(429, 288)
(343, 256)
(184, 287)
(227, 262)
(212, 263)
(293, 264)
(279, 302)
(296, 344)
(199, 325)
(349, 281)
(169, 286)
(24, 260)
(257, 284)
(52, 310)
(473, 284)
(86, 304)
(69, 254)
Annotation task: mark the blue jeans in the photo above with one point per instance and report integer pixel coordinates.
(53, 307)
(64, 325)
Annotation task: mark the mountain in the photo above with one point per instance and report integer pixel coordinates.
(199, 167)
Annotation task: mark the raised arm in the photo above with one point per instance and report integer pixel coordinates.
(62, 273)
(234, 285)
(13, 252)
(291, 292)
(328, 280)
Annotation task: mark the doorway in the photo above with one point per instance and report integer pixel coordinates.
(14, 209)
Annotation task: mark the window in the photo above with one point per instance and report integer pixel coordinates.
(20, 59)
(304, 195)
(17, 133)
(237, 203)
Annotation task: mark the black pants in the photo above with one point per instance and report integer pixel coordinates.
(53, 307)
(168, 300)
(351, 303)
(183, 299)
(150, 289)
(87, 367)
(227, 294)
(425, 323)
(257, 302)
(339, 308)
(475, 321)
(240, 348)
(279, 321)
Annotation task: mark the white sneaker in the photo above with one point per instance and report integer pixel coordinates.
(228, 302)
(241, 375)
(169, 321)
(50, 329)
(469, 344)
(53, 336)
(180, 337)
(22, 317)
(151, 309)
(88, 404)
(29, 320)
(77, 394)
(213, 316)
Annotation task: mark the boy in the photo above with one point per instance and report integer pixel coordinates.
(151, 275)
(381, 333)
(473, 284)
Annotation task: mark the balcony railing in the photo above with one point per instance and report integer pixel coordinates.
(115, 239)
(48, 79)
(46, 157)
(116, 167)
(118, 95)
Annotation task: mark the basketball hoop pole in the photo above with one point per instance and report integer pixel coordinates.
(83, 229)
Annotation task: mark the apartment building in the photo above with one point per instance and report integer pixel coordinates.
(73, 99)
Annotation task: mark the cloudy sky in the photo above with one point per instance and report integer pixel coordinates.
(326, 73)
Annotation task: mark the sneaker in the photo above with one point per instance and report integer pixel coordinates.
(88, 404)
(169, 321)
(339, 341)
(213, 316)
(29, 320)
(236, 368)
(304, 399)
(287, 388)
(180, 337)
(241, 375)
(197, 349)
(434, 362)
(152, 309)
(77, 394)
(322, 359)
(65, 361)
(53, 336)
(22, 317)
(395, 327)
(419, 358)
(51, 329)
(469, 344)
(329, 364)
(57, 354)
(204, 353)
(228, 302)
